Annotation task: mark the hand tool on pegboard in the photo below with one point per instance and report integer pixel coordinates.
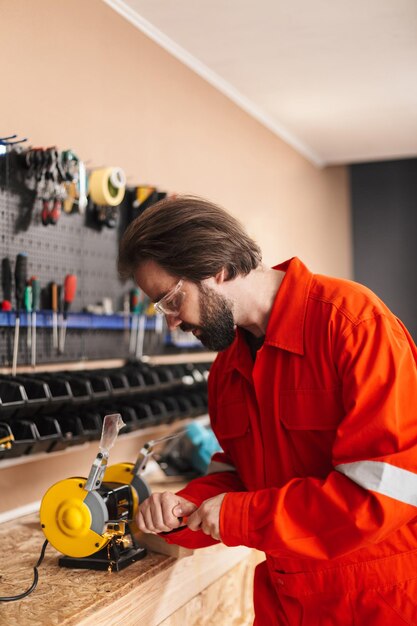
(6, 282)
(140, 337)
(36, 298)
(27, 303)
(20, 276)
(145, 196)
(6, 305)
(54, 309)
(70, 287)
(134, 309)
(75, 182)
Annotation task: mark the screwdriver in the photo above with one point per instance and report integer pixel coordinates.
(6, 282)
(27, 302)
(126, 316)
(54, 307)
(140, 337)
(36, 299)
(20, 275)
(135, 310)
(70, 287)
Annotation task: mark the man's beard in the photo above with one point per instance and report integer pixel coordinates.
(217, 329)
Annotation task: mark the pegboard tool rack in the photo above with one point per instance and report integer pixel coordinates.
(78, 245)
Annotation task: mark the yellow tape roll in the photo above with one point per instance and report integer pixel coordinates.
(103, 191)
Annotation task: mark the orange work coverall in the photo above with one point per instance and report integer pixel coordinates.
(319, 435)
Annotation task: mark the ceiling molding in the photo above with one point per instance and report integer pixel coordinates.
(215, 80)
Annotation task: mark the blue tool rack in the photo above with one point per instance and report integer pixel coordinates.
(81, 321)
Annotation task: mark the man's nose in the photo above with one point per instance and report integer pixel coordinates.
(173, 321)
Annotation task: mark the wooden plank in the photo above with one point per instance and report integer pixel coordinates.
(227, 601)
(159, 597)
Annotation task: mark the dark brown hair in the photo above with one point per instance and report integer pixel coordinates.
(188, 237)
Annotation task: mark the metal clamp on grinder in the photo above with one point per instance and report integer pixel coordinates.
(90, 520)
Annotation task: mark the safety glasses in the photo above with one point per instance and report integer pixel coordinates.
(171, 303)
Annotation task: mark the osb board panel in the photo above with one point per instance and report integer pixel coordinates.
(227, 602)
(146, 592)
(63, 596)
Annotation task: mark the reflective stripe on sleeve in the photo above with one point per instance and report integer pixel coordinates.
(383, 478)
(216, 466)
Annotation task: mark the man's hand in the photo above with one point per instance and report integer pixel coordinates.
(207, 517)
(156, 513)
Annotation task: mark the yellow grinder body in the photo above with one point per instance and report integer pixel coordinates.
(79, 523)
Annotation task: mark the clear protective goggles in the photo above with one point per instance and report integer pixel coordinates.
(171, 303)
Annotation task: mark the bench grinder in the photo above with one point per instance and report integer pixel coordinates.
(91, 520)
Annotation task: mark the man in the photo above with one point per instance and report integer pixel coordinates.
(313, 397)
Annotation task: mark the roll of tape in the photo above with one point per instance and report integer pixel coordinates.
(102, 190)
(118, 177)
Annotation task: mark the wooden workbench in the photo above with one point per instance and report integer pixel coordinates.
(208, 586)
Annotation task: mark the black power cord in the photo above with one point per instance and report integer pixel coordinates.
(35, 579)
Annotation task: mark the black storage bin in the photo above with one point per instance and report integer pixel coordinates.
(164, 374)
(59, 389)
(130, 418)
(25, 437)
(99, 382)
(150, 376)
(172, 408)
(49, 427)
(38, 396)
(119, 383)
(5, 432)
(81, 390)
(144, 414)
(72, 429)
(197, 403)
(44, 442)
(92, 424)
(12, 396)
(159, 411)
(135, 379)
(176, 371)
(185, 405)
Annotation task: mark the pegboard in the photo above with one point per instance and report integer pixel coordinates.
(75, 245)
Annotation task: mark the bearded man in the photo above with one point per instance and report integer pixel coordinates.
(313, 398)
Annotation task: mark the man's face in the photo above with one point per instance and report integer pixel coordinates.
(204, 312)
(216, 330)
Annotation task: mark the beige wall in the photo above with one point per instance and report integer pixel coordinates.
(76, 74)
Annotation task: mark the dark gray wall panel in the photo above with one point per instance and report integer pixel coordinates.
(384, 211)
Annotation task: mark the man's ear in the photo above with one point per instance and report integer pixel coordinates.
(221, 276)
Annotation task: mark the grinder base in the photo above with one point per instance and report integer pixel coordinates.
(112, 557)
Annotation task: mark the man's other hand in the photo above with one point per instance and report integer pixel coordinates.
(207, 517)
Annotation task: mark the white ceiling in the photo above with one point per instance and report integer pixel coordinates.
(336, 79)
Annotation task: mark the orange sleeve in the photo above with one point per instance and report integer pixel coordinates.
(201, 489)
(326, 518)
